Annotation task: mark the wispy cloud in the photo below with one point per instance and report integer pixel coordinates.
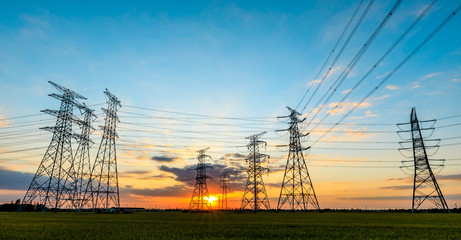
(169, 191)
(382, 75)
(368, 114)
(137, 172)
(398, 187)
(334, 70)
(232, 156)
(164, 159)
(356, 133)
(36, 26)
(337, 108)
(313, 82)
(456, 80)
(430, 75)
(407, 197)
(392, 87)
(346, 91)
(378, 198)
(415, 85)
(379, 98)
(452, 177)
(3, 121)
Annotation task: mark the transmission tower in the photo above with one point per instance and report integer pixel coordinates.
(200, 197)
(82, 156)
(297, 188)
(54, 182)
(425, 186)
(102, 191)
(224, 189)
(255, 193)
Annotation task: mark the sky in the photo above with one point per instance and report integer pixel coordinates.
(199, 74)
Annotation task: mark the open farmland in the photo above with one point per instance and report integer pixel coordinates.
(264, 225)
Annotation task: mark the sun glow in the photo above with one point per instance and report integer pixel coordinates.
(210, 199)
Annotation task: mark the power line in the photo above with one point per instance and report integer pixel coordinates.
(416, 21)
(351, 65)
(28, 123)
(179, 130)
(22, 134)
(203, 115)
(24, 150)
(351, 34)
(331, 53)
(40, 140)
(24, 116)
(247, 125)
(435, 31)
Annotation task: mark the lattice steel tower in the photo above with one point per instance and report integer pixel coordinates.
(425, 185)
(297, 188)
(102, 190)
(54, 182)
(82, 156)
(224, 189)
(200, 197)
(255, 193)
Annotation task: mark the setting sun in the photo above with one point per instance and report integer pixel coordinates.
(210, 199)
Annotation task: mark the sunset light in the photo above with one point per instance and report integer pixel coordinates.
(210, 199)
(294, 107)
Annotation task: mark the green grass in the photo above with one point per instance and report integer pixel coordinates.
(264, 225)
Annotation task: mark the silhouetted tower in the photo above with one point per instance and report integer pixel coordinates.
(82, 156)
(425, 186)
(54, 182)
(200, 197)
(224, 189)
(255, 193)
(297, 189)
(102, 190)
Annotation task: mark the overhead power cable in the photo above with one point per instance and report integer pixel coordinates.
(365, 166)
(435, 31)
(256, 119)
(332, 51)
(243, 125)
(351, 34)
(351, 65)
(415, 22)
(23, 150)
(24, 116)
(26, 124)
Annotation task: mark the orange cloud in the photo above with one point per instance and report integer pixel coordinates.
(356, 133)
(368, 114)
(338, 108)
(3, 121)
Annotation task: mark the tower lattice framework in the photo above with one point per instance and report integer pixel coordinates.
(224, 189)
(82, 156)
(255, 193)
(425, 186)
(200, 197)
(297, 190)
(54, 182)
(102, 190)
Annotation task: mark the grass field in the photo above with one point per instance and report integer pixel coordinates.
(264, 225)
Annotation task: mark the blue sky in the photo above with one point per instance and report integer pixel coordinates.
(231, 59)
